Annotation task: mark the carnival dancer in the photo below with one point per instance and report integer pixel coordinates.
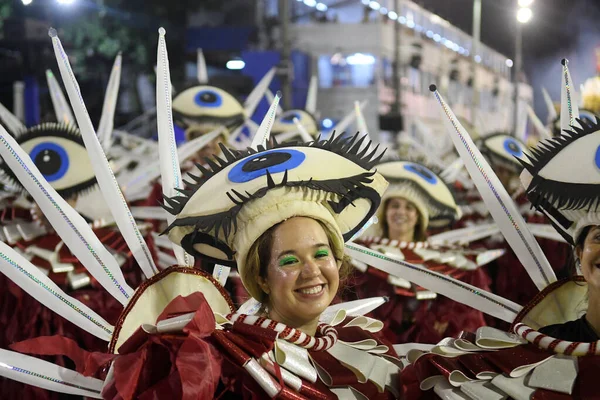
(273, 212)
(552, 350)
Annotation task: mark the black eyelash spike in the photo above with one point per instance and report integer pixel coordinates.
(270, 181)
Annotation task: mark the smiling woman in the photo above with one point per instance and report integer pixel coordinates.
(297, 271)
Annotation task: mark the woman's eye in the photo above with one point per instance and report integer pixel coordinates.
(322, 254)
(288, 261)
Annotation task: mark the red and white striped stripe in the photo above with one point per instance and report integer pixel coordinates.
(328, 334)
(557, 345)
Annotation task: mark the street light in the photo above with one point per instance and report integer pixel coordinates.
(525, 3)
(524, 15)
(26, 2)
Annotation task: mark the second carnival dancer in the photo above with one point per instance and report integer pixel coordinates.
(416, 199)
(278, 216)
(552, 349)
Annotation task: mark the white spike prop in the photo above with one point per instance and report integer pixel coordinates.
(107, 118)
(71, 226)
(14, 125)
(62, 111)
(264, 130)
(546, 231)
(549, 105)
(498, 201)
(202, 71)
(270, 98)
(344, 123)
(106, 179)
(45, 375)
(454, 289)
(464, 235)
(521, 132)
(303, 132)
(29, 278)
(258, 93)
(169, 160)
(569, 110)
(539, 126)
(311, 96)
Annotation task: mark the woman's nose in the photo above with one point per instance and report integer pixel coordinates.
(311, 269)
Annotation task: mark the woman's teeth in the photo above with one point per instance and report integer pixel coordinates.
(312, 290)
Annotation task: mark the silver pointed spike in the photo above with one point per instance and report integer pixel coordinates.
(258, 93)
(202, 71)
(169, 160)
(29, 278)
(14, 125)
(106, 125)
(464, 293)
(104, 175)
(498, 201)
(62, 110)
(264, 130)
(569, 109)
(311, 96)
(539, 126)
(550, 106)
(36, 372)
(270, 98)
(302, 130)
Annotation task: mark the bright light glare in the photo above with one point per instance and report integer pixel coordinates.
(437, 37)
(383, 10)
(402, 19)
(65, 1)
(524, 15)
(525, 3)
(393, 15)
(310, 3)
(235, 64)
(509, 63)
(327, 123)
(26, 2)
(410, 23)
(375, 5)
(477, 59)
(360, 59)
(321, 7)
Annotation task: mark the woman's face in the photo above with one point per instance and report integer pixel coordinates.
(589, 256)
(302, 274)
(401, 215)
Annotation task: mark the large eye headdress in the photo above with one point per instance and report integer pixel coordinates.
(285, 122)
(562, 179)
(238, 198)
(423, 187)
(503, 150)
(201, 108)
(60, 155)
